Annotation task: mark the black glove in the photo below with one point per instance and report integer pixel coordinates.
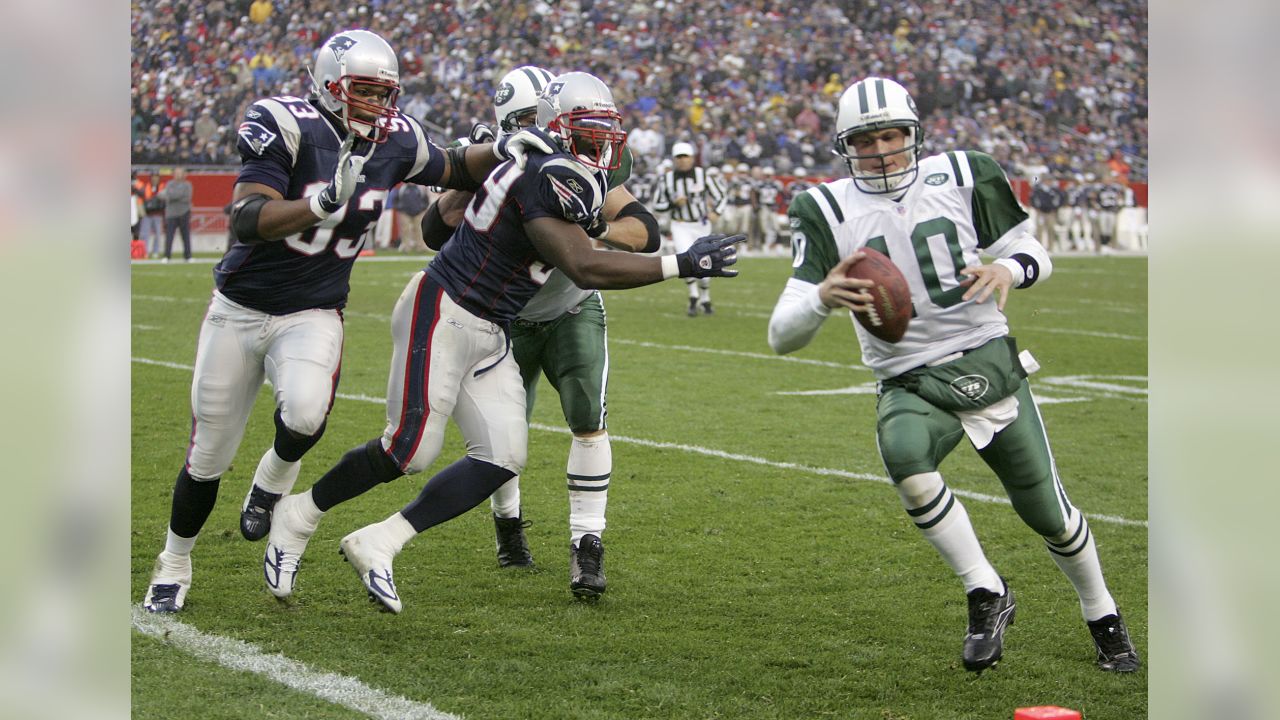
(481, 133)
(599, 227)
(709, 256)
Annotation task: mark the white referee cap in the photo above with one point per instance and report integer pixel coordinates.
(681, 148)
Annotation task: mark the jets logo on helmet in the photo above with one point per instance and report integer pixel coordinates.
(515, 104)
(578, 109)
(872, 105)
(357, 78)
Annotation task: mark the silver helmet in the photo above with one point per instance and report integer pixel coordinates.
(357, 70)
(878, 104)
(517, 97)
(578, 109)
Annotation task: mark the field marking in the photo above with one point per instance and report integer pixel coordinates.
(247, 657)
(698, 450)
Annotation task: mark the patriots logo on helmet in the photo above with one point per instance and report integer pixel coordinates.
(555, 88)
(505, 91)
(340, 45)
(256, 136)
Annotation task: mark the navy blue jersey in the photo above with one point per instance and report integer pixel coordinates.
(489, 266)
(289, 144)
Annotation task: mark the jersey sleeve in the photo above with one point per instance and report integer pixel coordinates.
(429, 158)
(620, 176)
(264, 142)
(561, 190)
(996, 211)
(813, 247)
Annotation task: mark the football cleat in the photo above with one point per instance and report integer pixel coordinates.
(706, 308)
(1115, 649)
(372, 562)
(513, 549)
(170, 580)
(693, 307)
(255, 514)
(586, 568)
(989, 615)
(285, 545)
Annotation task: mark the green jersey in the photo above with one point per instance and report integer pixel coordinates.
(960, 204)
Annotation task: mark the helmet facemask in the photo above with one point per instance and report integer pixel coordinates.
(594, 137)
(880, 182)
(377, 128)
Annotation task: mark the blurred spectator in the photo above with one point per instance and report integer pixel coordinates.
(411, 202)
(177, 213)
(153, 209)
(1061, 83)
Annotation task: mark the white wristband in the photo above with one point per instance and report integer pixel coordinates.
(670, 267)
(314, 204)
(1015, 267)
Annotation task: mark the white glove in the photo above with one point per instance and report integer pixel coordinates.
(345, 178)
(517, 146)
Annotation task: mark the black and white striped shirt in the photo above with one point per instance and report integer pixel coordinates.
(704, 192)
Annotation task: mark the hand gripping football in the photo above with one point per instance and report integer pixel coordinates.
(891, 310)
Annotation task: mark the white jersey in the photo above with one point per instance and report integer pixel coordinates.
(558, 296)
(960, 203)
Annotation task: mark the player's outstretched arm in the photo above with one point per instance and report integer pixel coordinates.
(565, 246)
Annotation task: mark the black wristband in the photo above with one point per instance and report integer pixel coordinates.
(638, 211)
(1030, 269)
(244, 218)
(459, 175)
(435, 231)
(685, 263)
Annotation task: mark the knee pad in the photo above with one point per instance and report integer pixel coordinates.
(917, 491)
(290, 444)
(304, 418)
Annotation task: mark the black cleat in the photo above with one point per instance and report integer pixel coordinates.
(706, 308)
(513, 549)
(1115, 649)
(693, 307)
(989, 615)
(586, 568)
(255, 516)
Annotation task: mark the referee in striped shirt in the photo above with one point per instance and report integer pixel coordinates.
(695, 199)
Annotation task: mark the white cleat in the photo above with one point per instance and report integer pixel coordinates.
(372, 560)
(285, 545)
(170, 580)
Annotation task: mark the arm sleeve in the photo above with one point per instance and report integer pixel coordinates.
(428, 162)
(264, 146)
(797, 317)
(1004, 231)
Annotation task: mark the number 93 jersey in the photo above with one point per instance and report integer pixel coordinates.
(289, 144)
(961, 203)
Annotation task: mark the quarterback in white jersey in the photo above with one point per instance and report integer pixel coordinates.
(956, 372)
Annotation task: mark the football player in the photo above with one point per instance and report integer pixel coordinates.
(694, 198)
(561, 333)
(314, 174)
(451, 328)
(956, 373)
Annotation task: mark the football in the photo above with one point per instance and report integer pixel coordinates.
(891, 310)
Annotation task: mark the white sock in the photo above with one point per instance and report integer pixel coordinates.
(588, 470)
(276, 475)
(704, 289)
(1077, 557)
(175, 544)
(395, 531)
(944, 522)
(308, 510)
(505, 501)
(693, 288)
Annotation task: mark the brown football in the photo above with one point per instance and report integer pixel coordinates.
(891, 310)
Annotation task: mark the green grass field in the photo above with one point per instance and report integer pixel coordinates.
(759, 565)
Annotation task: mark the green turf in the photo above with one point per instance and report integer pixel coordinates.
(736, 589)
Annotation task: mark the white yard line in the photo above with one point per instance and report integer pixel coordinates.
(828, 472)
(247, 657)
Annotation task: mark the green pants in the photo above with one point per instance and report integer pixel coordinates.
(914, 436)
(573, 352)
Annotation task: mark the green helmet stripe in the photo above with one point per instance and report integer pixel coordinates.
(863, 105)
(533, 78)
(880, 93)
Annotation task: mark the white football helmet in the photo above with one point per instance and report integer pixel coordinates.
(876, 104)
(355, 58)
(578, 109)
(517, 96)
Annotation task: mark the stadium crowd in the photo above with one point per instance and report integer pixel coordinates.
(1045, 86)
